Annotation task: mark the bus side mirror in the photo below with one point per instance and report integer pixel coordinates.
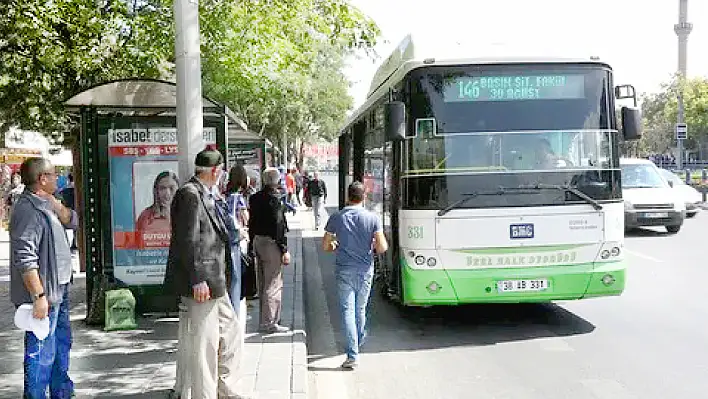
(395, 122)
(631, 123)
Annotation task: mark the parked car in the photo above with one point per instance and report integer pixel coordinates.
(690, 195)
(648, 198)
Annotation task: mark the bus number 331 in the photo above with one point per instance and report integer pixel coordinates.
(415, 232)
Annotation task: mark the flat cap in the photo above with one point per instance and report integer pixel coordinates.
(208, 158)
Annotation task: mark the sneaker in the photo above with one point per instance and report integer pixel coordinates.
(275, 329)
(350, 364)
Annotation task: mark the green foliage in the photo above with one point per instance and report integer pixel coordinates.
(50, 50)
(277, 63)
(660, 114)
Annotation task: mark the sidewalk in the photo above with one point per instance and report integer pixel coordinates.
(141, 363)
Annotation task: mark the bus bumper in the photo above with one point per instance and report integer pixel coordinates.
(455, 287)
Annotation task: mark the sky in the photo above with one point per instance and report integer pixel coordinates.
(636, 37)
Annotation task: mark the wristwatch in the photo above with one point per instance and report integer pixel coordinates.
(37, 296)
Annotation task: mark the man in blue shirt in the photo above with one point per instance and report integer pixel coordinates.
(354, 233)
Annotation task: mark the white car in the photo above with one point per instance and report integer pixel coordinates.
(649, 200)
(690, 195)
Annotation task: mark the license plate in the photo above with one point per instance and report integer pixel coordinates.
(523, 230)
(656, 215)
(522, 285)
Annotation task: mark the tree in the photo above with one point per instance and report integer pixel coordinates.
(276, 63)
(660, 115)
(52, 50)
(285, 82)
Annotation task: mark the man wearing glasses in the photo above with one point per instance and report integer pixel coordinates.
(41, 270)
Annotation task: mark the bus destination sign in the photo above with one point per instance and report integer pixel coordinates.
(514, 88)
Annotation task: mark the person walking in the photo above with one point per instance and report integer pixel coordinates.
(68, 198)
(267, 227)
(15, 190)
(290, 186)
(41, 271)
(354, 234)
(298, 185)
(317, 189)
(198, 271)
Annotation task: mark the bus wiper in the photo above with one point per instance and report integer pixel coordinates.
(465, 197)
(569, 189)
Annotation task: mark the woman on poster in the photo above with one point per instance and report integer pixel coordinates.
(155, 219)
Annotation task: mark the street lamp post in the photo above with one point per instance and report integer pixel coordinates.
(190, 139)
(683, 28)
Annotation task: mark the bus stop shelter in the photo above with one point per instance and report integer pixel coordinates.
(249, 149)
(125, 181)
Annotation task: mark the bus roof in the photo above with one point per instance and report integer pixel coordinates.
(427, 51)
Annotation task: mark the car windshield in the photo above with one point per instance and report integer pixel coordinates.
(671, 177)
(642, 176)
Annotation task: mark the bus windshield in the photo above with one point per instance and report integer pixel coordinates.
(497, 152)
(480, 127)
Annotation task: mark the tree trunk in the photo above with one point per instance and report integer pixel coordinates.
(301, 155)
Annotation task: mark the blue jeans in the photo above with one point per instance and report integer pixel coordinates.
(236, 276)
(47, 361)
(353, 289)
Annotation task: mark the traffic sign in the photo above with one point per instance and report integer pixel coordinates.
(681, 131)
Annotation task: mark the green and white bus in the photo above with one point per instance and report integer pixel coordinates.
(497, 180)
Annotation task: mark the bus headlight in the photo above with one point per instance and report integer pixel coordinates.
(419, 260)
(610, 251)
(608, 279)
(432, 262)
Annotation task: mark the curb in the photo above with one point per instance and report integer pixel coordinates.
(299, 378)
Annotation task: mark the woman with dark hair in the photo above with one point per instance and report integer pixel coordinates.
(154, 220)
(238, 211)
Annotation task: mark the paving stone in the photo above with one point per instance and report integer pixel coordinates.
(141, 363)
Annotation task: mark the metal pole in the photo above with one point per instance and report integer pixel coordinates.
(679, 142)
(190, 136)
(190, 123)
(683, 29)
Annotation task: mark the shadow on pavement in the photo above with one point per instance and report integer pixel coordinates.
(647, 232)
(163, 393)
(393, 327)
(117, 364)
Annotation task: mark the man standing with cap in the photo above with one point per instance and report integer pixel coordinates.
(197, 270)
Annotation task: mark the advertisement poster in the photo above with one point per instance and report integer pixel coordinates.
(250, 155)
(143, 169)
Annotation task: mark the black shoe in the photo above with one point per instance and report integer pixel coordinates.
(350, 364)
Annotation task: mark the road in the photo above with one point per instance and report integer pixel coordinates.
(648, 343)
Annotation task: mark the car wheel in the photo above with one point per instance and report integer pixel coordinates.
(673, 229)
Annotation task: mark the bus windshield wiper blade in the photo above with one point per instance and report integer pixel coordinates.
(569, 189)
(465, 197)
